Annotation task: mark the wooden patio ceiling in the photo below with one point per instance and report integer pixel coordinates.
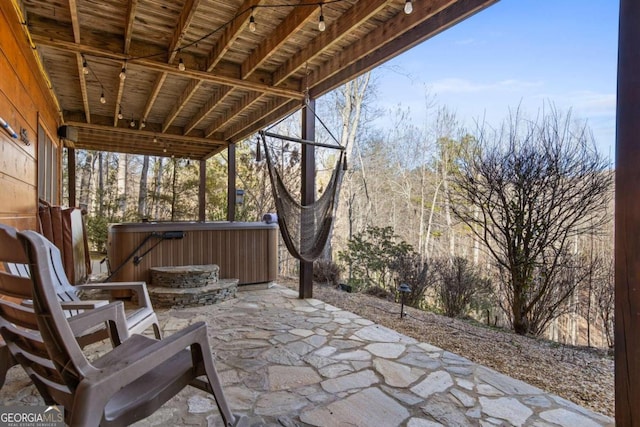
(235, 81)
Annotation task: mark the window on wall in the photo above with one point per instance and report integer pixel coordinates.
(47, 167)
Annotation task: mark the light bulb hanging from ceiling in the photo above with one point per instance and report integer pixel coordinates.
(321, 24)
(143, 124)
(120, 114)
(123, 72)
(103, 100)
(133, 123)
(85, 66)
(408, 7)
(252, 22)
(181, 65)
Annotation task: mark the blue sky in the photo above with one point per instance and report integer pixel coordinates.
(517, 52)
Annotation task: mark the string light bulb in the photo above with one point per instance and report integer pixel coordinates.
(408, 7)
(133, 123)
(85, 66)
(120, 114)
(103, 100)
(123, 73)
(155, 139)
(181, 66)
(252, 22)
(321, 24)
(143, 124)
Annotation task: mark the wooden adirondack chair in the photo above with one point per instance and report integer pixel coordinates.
(15, 261)
(119, 388)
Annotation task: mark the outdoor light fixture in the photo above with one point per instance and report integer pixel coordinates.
(252, 22)
(181, 66)
(403, 289)
(408, 7)
(123, 73)
(85, 67)
(133, 123)
(156, 140)
(321, 24)
(103, 100)
(143, 124)
(120, 114)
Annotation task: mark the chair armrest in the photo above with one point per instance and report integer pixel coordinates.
(136, 365)
(112, 313)
(83, 305)
(139, 287)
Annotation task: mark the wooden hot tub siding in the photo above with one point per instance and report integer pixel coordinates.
(244, 251)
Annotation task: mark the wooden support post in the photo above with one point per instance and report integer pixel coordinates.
(627, 219)
(71, 164)
(308, 189)
(202, 191)
(231, 182)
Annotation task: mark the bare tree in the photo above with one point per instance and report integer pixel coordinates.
(535, 184)
(142, 193)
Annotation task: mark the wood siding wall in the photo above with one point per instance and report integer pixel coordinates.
(25, 101)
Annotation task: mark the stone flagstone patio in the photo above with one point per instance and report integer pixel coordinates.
(290, 362)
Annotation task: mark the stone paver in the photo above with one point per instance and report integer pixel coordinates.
(290, 362)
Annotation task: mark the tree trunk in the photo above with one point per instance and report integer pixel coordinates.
(158, 187)
(122, 184)
(142, 195)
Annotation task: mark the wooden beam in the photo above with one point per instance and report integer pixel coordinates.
(83, 87)
(324, 81)
(71, 172)
(231, 33)
(155, 91)
(73, 11)
(627, 219)
(231, 182)
(308, 190)
(202, 191)
(247, 101)
(298, 17)
(169, 69)
(357, 14)
(389, 30)
(184, 21)
(118, 107)
(219, 96)
(148, 133)
(128, 28)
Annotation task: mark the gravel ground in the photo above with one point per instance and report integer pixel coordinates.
(582, 375)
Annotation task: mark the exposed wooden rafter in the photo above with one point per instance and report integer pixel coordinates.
(73, 11)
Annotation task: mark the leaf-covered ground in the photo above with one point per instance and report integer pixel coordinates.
(582, 375)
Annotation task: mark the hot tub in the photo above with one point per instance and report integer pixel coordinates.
(247, 251)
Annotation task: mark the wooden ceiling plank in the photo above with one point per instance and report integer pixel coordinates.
(128, 28)
(357, 14)
(295, 20)
(218, 97)
(155, 91)
(184, 21)
(391, 29)
(181, 102)
(247, 101)
(257, 115)
(231, 33)
(436, 23)
(169, 69)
